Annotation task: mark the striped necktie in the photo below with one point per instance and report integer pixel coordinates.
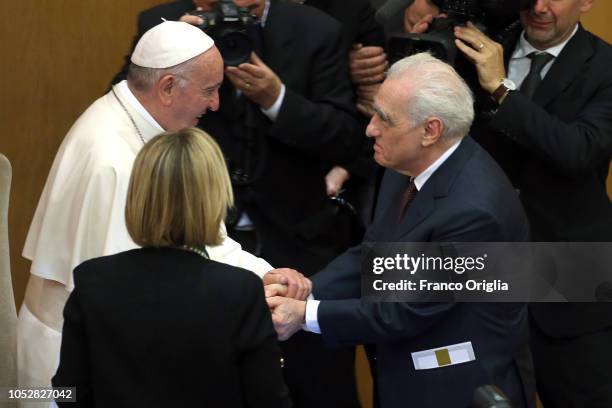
(407, 197)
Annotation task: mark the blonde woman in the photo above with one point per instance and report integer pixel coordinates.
(163, 325)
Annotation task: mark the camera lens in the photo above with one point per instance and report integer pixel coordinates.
(235, 47)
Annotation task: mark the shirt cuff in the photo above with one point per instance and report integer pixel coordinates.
(312, 324)
(272, 111)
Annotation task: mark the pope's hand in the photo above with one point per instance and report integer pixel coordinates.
(287, 282)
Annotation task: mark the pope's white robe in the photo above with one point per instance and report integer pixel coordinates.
(80, 216)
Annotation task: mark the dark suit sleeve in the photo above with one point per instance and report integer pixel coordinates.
(473, 225)
(259, 355)
(370, 33)
(340, 279)
(323, 122)
(571, 146)
(353, 321)
(74, 370)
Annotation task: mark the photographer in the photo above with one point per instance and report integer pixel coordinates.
(551, 130)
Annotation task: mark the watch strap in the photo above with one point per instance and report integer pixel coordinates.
(500, 93)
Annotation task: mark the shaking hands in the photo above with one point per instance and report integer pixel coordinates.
(286, 291)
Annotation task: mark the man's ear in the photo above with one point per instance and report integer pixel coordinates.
(585, 5)
(433, 128)
(166, 89)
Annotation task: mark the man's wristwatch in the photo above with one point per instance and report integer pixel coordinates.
(506, 85)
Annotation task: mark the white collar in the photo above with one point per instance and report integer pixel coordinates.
(264, 15)
(420, 180)
(130, 98)
(524, 48)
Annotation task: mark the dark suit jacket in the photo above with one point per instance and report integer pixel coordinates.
(556, 150)
(358, 22)
(467, 199)
(166, 327)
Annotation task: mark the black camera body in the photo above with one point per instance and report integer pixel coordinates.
(493, 17)
(227, 25)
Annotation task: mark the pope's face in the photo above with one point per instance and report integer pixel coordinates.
(198, 93)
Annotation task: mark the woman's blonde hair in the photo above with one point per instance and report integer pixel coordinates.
(179, 191)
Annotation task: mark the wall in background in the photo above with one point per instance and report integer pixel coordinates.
(598, 21)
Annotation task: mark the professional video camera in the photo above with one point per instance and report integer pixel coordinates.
(493, 17)
(227, 24)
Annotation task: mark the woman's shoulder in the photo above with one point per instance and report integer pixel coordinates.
(225, 273)
(151, 261)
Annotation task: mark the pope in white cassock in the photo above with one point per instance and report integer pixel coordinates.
(174, 78)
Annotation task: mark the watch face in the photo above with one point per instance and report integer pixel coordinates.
(509, 84)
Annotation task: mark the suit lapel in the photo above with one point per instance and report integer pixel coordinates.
(277, 49)
(436, 187)
(422, 206)
(567, 67)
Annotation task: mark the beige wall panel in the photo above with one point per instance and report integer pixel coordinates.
(599, 21)
(58, 56)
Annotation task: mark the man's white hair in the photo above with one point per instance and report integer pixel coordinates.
(438, 91)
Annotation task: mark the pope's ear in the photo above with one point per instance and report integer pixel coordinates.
(166, 88)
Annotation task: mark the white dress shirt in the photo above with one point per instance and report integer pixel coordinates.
(520, 63)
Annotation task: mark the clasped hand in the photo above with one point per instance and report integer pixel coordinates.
(286, 290)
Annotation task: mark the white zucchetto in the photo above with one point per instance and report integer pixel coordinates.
(170, 43)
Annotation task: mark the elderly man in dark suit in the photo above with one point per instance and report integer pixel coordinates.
(551, 130)
(286, 117)
(439, 186)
